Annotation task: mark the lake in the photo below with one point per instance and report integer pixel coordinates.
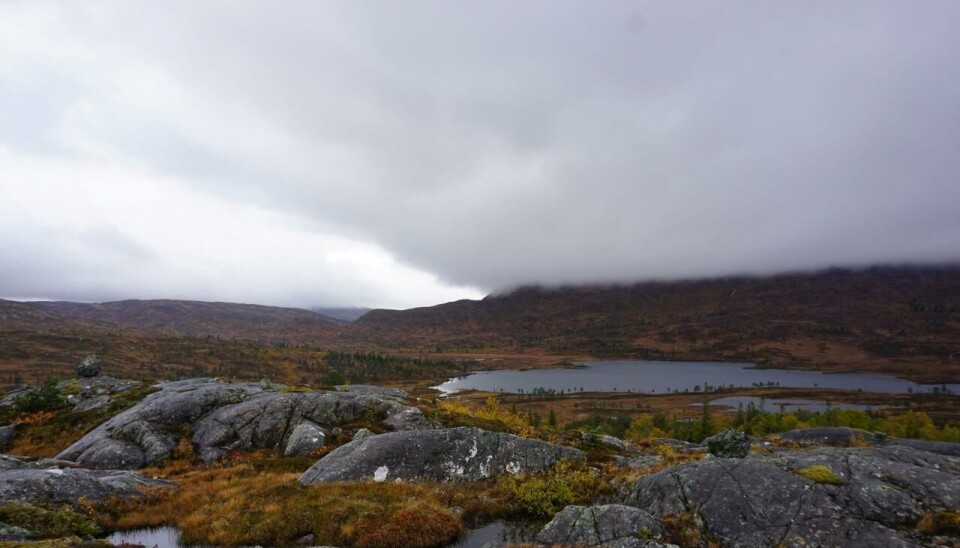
(653, 377)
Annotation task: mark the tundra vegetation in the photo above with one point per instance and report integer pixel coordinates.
(254, 497)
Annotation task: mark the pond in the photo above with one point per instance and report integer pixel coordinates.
(653, 377)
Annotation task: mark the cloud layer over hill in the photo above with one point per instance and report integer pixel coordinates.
(398, 154)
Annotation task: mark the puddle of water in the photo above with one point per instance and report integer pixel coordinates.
(498, 532)
(159, 537)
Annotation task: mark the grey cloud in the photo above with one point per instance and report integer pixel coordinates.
(501, 143)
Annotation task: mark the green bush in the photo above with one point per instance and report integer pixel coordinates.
(46, 398)
(545, 494)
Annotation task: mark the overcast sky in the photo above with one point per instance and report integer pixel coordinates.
(398, 154)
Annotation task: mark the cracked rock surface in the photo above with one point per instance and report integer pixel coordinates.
(54, 481)
(453, 454)
(765, 501)
(224, 417)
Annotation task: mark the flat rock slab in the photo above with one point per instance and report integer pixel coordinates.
(224, 417)
(369, 389)
(43, 481)
(843, 437)
(828, 435)
(766, 501)
(454, 454)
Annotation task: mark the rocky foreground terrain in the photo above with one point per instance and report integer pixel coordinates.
(814, 493)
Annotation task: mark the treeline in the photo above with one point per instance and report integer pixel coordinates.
(750, 419)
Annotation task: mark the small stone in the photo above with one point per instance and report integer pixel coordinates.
(362, 433)
(729, 444)
(89, 366)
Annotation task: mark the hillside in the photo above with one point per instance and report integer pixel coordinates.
(896, 319)
(195, 318)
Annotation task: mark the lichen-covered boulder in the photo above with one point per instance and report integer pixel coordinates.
(453, 454)
(267, 420)
(48, 481)
(147, 432)
(89, 366)
(305, 438)
(599, 525)
(866, 497)
(730, 444)
(225, 417)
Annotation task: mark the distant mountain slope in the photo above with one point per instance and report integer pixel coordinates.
(349, 314)
(228, 320)
(890, 317)
(20, 316)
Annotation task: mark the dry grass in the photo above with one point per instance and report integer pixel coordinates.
(940, 523)
(821, 473)
(257, 500)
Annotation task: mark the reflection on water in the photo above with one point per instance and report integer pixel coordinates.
(161, 537)
(651, 377)
(496, 532)
(499, 532)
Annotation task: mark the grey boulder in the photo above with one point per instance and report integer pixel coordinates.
(454, 454)
(766, 501)
(89, 366)
(306, 437)
(147, 432)
(730, 444)
(224, 417)
(46, 482)
(267, 420)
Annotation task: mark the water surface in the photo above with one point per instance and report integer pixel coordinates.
(653, 377)
(159, 537)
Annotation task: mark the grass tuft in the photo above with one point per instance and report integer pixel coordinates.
(821, 473)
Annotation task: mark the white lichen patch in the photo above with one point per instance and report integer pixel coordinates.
(473, 450)
(513, 467)
(453, 468)
(381, 474)
(55, 471)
